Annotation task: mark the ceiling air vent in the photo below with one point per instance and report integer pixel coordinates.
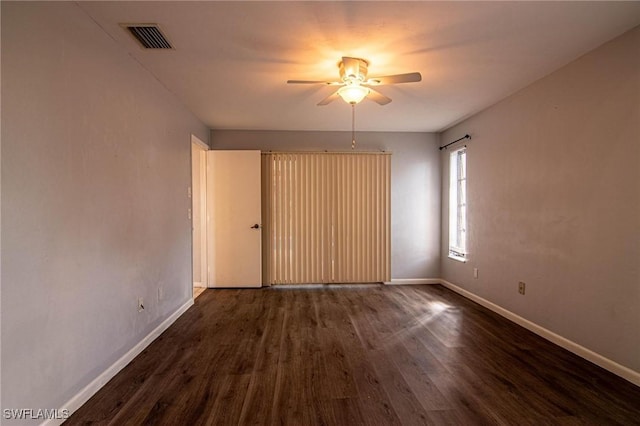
(149, 36)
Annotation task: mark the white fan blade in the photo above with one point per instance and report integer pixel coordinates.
(332, 97)
(412, 77)
(378, 97)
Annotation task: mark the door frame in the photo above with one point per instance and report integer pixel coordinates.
(199, 165)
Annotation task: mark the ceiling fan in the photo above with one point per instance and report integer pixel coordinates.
(356, 86)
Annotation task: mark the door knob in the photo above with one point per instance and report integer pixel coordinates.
(256, 226)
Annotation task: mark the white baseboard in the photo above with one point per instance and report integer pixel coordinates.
(612, 366)
(199, 284)
(88, 391)
(413, 281)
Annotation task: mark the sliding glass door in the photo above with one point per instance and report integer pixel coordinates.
(326, 217)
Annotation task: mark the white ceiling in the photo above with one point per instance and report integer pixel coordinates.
(232, 59)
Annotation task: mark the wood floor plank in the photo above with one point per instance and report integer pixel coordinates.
(294, 398)
(348, 412)
(260, 389)
(418, 380)
(348, 355)
(473, 401)
(337, 372)
(373, 397)
(227, 406)
(404, 401)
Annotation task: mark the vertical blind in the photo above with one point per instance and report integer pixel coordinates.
(326, 217)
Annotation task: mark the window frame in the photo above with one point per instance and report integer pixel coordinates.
(458, 205)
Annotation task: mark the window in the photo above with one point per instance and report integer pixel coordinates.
(458, 205)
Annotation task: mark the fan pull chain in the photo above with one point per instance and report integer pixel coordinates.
(353, 126)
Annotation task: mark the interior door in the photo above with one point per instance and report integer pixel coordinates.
(234, 214)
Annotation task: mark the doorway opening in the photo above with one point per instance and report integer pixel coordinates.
(199, 214)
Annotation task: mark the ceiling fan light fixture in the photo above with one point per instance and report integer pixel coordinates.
(356, 86)
(353, 93)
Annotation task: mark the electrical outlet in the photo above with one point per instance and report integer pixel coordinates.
(475, 273)
(160, 294)
(521, 287)
(140, 304)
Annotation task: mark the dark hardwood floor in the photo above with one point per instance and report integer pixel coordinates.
(355, 355)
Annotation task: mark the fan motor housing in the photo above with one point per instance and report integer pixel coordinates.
(356, 71)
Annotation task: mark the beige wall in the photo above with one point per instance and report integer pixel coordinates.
(95, 170)
(554, 201)
(415, 185)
